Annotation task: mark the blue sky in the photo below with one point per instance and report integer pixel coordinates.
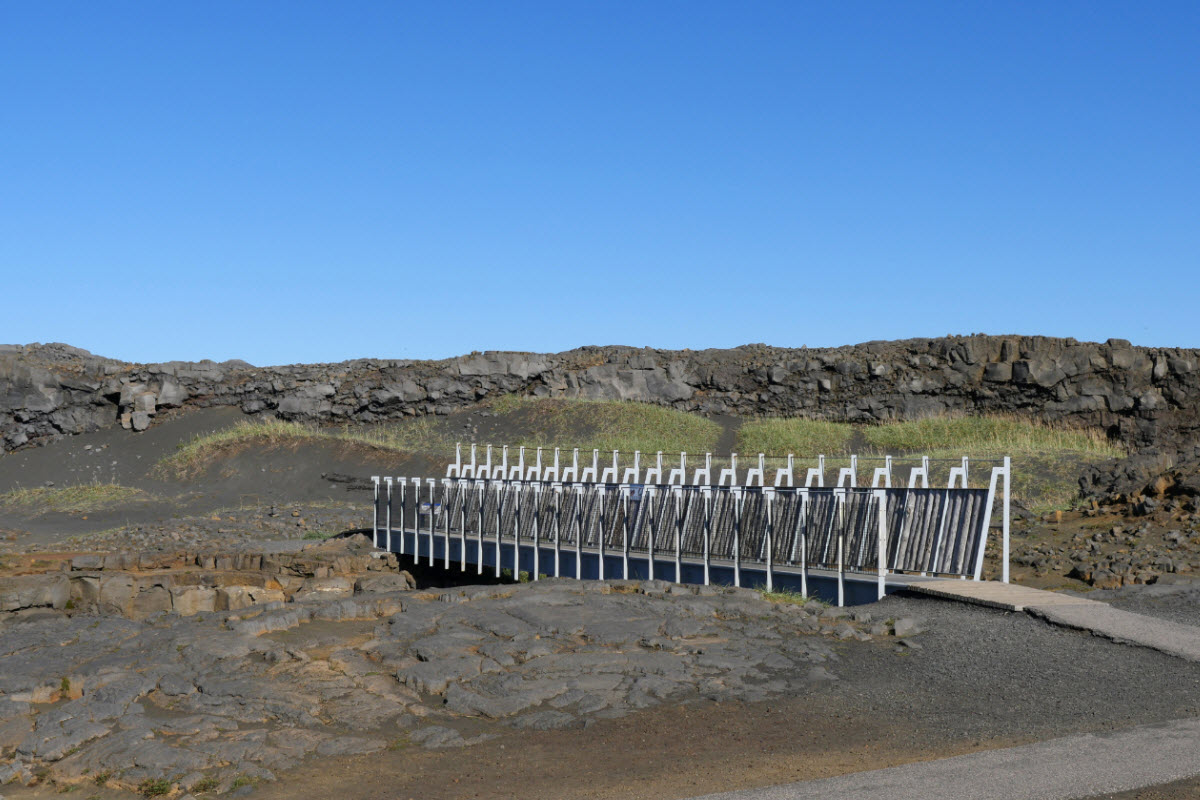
(287, 181)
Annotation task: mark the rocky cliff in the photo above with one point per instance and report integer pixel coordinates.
(1145, 397)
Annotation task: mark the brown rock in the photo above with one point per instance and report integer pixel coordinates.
(189, 600)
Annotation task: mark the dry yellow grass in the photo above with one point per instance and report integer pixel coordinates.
(990, 435)
(82, 499)
(802, 437)
(534, 422)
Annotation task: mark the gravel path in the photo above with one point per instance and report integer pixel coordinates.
(998, 674)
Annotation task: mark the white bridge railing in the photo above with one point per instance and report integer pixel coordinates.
(502, 462)
(546, 509)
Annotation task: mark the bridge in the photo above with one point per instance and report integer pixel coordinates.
(768, 523)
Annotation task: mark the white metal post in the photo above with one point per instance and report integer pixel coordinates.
(517, 524)
(769, 499)
(841, 546)
(483, 489)
(881, 498)
(462, 526)
(375, 513)
(648, 499)
(804, 543)
(417, 520)
(387, 515)
(1006, 511)
(537, 525)
(678, 492)
(557, 489)
(446, 524)
(625, 531)
(599, 493)
(578, 490)
(431, 522)
(536, 472)
(499, 519)
(736, 496)
(403, 484)
(706, 493)
(416, 505)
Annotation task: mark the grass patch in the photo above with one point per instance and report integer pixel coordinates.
(802, 437)
(585, 424)
(606, 425)
(82, 499)
(784, 596)
(192, 456)
(986, 435)
(204, 785)
(791, 597)
(321, 535)
(154, 787)
(1047, 460)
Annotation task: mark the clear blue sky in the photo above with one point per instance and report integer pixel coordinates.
(294, 181)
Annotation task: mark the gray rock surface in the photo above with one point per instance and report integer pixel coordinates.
(255, 690)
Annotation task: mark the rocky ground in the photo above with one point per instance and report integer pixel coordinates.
(234, 655)
(206, 673)
(1102, 550)
(339, 661)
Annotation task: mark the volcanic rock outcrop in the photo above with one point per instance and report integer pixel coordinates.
(1146, 398)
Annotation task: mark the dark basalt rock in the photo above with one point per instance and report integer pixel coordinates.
(1146, 398)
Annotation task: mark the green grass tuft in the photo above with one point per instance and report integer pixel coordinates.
(606, 425)
(83, 499)
(784, 596)
(154, 787)
(321, 535)
(204, 785)
(986, 435)
(801, 437)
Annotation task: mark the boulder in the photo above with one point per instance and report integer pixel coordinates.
(232, 598)
(322, 588)
(189, 600)
(149, 601)
(385, 582)
(34, 591)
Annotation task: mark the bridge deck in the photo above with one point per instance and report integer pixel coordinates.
(1006, 596)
